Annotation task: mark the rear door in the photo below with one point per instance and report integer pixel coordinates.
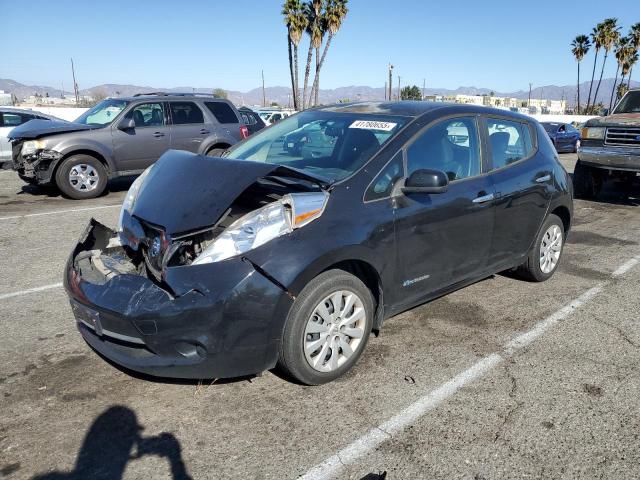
(444, 238)
(523, 184)
(188, 126)
(137, 148)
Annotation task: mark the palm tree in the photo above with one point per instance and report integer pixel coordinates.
(296, 22)
(597, 35)
(313, 11)
(634, 35)
(630, 59)
(579, 48)
(610, 38)
(621, 50)
(335, 13)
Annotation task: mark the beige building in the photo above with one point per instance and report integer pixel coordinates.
(537, 105)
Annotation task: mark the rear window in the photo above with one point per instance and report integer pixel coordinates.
(13, 119)
(184, 113)
(222, 111)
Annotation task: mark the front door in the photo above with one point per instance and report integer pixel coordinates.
(444, 238)
(522, 182)
(137, 148)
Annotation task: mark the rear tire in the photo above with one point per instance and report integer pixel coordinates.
(215, 152)
(545, 254)
(587, 181)
(327, 328)
(81, 176)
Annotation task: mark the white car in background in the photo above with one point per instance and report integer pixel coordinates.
(273, 116)
(9, 119)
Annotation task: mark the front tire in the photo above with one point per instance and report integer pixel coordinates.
(81, 176)
(545, 254)
(215, 152)
(327, 328)
(587, 181)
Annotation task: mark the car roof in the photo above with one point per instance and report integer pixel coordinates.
(172, 96)
(416, 108)
(27, 111)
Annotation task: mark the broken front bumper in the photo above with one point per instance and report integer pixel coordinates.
(611, 158)
(216, 320)
(38, 167)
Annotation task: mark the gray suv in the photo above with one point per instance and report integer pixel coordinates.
(122, 136)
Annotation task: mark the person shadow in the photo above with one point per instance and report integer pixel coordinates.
(113, 440)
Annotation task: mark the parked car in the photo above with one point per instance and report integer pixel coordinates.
(122, 136)
(564, 136)
(312, 139)
(265, 257)
(272, 116)
(610, 148)
(11, 118)
(251, 119)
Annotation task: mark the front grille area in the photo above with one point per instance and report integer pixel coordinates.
(629, 137)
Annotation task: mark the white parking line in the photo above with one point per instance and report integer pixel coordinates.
(30, 290)
(56, 212)
(332, 466)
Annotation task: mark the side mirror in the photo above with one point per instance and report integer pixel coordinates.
(426, 181)
(127, 124)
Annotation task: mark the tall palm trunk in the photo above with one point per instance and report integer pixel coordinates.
(578, 88)
(295, 73)
(306, 76)
(293, 78)
(604, 61)
(593, 74)
(613, 90)
(316, 81)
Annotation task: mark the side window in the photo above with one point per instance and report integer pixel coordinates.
(222, 111)
(184, 113)
(510, 141)
(450, 146)
(382, 185)
(570, 128)
(13, 119)
(147, 115)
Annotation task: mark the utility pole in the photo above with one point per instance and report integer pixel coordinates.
(385, 90)
(390, 80)
(398, 87)
(75, 85)
(529, 101)
(424, 81)
(264, 96)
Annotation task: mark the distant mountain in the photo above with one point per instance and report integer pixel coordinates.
(281, 95)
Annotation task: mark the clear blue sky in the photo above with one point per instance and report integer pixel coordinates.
(502, 45)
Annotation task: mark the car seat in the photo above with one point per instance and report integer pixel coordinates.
(499, 143)
(357, 146)
(138, 118)
(156, 117)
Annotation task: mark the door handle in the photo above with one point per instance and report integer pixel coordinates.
(543, 179)
(204, 131)
(484, 198)
(158, 134)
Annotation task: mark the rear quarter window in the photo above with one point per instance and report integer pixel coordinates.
(222, 111)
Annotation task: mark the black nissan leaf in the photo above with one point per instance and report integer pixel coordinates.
(273, 256)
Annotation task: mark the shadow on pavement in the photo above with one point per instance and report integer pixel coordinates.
(120, 184)
(618, 193)
(114, 439)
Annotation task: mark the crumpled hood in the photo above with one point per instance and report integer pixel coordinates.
(39, 128)
(184, 191)
(616, 120)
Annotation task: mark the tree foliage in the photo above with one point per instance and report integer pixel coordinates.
(220, 93)
(411, 93)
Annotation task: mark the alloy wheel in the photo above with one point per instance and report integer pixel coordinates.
(334, 331)
(550, 249)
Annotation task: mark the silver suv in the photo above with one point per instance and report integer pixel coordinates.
(122, 136)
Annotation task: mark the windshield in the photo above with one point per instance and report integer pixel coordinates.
(551, 127)
(103, 113)
(630, 103)
(323, 144)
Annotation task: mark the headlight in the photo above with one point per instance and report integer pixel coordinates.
(263, 225)
(593, 133)
(132, 195)
(31, 147)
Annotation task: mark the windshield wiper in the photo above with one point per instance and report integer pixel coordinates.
(290, 172)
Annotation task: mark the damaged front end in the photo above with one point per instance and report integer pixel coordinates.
(166, 300)
(34, 163)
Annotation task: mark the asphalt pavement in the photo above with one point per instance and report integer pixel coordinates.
(502, 379)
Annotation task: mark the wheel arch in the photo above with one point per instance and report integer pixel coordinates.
(564, 214)
(83, 151)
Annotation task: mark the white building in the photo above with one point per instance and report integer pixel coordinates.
(5, 98)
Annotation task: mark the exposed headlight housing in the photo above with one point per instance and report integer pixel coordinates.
(593, 133)
(263, 225)
(31, 147)
(132, 195)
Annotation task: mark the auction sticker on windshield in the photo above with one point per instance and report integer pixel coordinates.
(373, 125)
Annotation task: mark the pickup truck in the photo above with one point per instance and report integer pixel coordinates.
(610, 148)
